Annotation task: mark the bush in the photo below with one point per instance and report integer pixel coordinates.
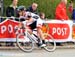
(47, 6)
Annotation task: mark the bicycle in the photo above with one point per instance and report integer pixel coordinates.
(28, 46)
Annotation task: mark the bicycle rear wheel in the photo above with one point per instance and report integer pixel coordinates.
(50, 43)
(24, 43)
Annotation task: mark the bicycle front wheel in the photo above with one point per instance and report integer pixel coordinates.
(50, 43)
(24, 43)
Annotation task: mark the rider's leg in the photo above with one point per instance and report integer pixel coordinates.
(30, 31)
(40, 34)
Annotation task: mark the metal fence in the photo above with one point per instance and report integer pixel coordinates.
(1, 7)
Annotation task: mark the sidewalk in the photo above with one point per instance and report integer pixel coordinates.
(65, 46)
(57, 47)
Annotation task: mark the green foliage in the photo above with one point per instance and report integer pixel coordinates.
(46, 6)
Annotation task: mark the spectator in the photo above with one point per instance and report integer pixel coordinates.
(60, 13)
(71, 6)
(42, 15)
(73, 12)
(73, 15)
(12, 9)
(33, 8)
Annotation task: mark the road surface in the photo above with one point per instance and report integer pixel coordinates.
(38, 53)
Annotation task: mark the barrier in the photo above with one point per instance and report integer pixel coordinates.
(7, 32)
(60, 30)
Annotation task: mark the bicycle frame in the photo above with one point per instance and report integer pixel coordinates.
(34, 39)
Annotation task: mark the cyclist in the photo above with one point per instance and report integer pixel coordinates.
(22, 13)
(31, 24)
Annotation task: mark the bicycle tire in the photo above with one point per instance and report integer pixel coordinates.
(52, 47)
(22, 48)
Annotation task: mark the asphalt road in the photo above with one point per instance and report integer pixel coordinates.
(38, 53)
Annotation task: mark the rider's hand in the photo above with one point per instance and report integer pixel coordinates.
(20, 25)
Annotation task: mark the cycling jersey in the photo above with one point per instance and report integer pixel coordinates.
(36, 23)
(40, 22)
(35, 16)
